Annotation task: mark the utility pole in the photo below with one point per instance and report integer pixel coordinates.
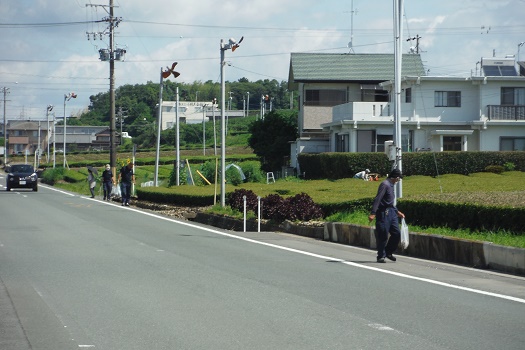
(111, 54)
(416, 38)
(5, 91)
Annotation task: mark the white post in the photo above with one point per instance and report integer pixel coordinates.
(214, 129)
(64, 143)
(177, 141)
(54, 141)
(159, 127)
(259, 213)
(398, 57)
(203, 130)
(248, 104)
(244, 211)
(223, 126)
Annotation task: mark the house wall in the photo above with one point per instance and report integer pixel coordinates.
(424, 106)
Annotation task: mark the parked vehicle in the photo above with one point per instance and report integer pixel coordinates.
(21, 176)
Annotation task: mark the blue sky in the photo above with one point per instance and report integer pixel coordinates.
(45, 52)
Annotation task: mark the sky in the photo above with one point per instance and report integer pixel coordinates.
(45, 52)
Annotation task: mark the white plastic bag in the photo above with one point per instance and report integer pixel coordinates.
(404, 234)
(115, 191)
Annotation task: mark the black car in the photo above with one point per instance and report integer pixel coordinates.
(21, 176)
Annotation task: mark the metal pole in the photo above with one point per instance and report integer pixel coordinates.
(177, 142)
(5, 90)
(248, 105)
(214, 130)
(203, 130)
(64, 143)
(112, 131)
(48, 131)
(54, 141)
(398, 57)
(223, 136)
(37, 154)
(159, 127)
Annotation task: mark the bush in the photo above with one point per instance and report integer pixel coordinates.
(52, 175)
(302, 207)
(509, 166)
(236, 200)
(496, 169)
(273, 208)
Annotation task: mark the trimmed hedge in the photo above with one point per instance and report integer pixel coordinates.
(473, 217)
(343, 165)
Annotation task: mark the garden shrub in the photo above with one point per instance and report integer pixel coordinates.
(302, 207)
(273, 208)
(496, 169)
(235, 200)
(53, 175)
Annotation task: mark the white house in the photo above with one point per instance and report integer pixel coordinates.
(193, 113)
(473, 113)
(345, 105)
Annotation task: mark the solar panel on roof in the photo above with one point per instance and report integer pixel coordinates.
(508, 71)
(491, 71)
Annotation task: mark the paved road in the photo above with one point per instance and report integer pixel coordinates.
(80, 273)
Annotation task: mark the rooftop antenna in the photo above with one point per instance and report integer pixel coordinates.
(351, 42)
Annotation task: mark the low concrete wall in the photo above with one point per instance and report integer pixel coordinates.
(483, 255)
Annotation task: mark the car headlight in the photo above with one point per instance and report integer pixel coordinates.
(33, 177)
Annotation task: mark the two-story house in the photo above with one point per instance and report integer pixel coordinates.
(473, 113)
(325, 80)
(345, 105)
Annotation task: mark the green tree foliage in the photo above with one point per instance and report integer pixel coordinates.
(270, 137)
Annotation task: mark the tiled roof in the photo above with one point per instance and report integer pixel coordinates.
(350, 67)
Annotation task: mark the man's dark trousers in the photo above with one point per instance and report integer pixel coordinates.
(387, 222)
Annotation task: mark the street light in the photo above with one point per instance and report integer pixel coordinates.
(248, 104)
(519, 47)
(163, 75)
(231, 45)
(5, 91)
(67, 97)
(48, 109)
(204, 130)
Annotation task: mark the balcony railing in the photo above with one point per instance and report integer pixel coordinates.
(506, 112)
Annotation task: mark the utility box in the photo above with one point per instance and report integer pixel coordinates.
(390, 150)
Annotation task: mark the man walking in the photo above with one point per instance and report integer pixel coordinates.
(126, 177)
(386, 215)
(107, 182)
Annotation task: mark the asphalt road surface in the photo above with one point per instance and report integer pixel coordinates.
(78, 273)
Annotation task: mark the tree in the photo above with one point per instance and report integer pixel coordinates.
(270, 137)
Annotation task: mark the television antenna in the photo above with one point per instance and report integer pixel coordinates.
(351, 42)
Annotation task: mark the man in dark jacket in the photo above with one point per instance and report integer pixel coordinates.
(126, 177)
(107, 182)
(386, 215)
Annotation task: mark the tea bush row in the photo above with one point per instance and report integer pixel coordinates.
(343, 164)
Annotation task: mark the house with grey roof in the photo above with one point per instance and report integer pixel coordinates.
(345, 105)
(325, 80)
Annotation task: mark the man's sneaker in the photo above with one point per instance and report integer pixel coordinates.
(391, 257)
(380, 260)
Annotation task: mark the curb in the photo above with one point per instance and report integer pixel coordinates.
(482, 255)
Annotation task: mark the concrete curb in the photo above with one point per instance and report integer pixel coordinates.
(483, 255)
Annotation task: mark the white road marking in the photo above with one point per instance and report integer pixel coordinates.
(398, 274)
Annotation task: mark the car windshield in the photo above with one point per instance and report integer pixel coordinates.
(21, 168)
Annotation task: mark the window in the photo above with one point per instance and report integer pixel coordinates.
(512, 144)
(447, 99)
(342, 142)
(408, 95)
(513, 96)
(327, 98)
(452, 143)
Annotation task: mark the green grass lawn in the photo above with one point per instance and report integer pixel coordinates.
(506, 189)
